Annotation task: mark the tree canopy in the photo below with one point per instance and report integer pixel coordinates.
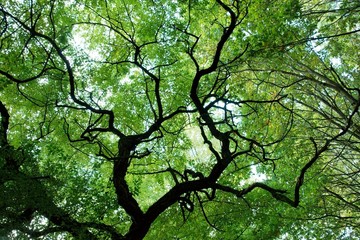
(224, 119)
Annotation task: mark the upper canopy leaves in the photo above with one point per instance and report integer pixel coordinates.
(132, 119)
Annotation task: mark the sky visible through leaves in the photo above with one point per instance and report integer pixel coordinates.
(197, 119)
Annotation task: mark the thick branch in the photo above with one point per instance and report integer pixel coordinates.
(4, 124)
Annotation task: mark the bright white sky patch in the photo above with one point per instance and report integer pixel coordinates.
(79, 43)
(335, 61)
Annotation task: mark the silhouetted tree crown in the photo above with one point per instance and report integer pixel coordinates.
(197, 119)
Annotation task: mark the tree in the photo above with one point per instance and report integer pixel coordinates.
(182, 119)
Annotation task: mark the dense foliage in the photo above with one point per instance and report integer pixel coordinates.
(196, 119)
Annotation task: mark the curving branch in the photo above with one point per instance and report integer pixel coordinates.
(71, 77)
